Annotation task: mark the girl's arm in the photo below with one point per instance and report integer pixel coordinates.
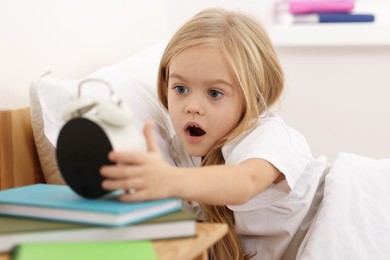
(226, 184)
(151, 178)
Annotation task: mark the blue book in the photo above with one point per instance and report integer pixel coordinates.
(286, 18)
(60, 202)
(333, 18)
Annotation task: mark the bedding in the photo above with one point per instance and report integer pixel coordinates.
(353, 218)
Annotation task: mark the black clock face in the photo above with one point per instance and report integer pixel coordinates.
(82, 149)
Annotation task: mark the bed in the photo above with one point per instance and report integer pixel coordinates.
(350, 214)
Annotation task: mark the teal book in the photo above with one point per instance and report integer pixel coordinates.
(59, 202)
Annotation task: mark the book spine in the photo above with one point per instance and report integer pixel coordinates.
(301, 7)
(323, 18)
(345, 18)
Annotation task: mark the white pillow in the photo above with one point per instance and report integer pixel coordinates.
(133, 79)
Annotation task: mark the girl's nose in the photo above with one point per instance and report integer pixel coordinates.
(194, 106)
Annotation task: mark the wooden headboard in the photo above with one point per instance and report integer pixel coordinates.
(19, 163)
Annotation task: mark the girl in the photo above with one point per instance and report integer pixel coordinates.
(218, 77)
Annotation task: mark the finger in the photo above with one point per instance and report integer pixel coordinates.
(122, 184)
(119, 171)
(116, 184)
(149, 136)
(126, 157)
(114, 172)
(137, 195)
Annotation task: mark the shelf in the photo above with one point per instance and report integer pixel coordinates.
(352, 34)
(376, 33)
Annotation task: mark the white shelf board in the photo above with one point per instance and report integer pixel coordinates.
(376, 33)
(351, 34)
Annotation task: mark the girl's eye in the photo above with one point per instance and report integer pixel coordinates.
(181, 89)
(215, 94)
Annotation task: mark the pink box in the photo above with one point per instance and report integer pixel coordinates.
(301, 7)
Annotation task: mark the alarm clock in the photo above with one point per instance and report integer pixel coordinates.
(92, 129)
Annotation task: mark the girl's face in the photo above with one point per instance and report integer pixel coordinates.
(204, 100)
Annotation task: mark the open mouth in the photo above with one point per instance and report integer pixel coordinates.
(194, 130)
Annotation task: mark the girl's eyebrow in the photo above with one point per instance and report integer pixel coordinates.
(174, 75)
(208, 82)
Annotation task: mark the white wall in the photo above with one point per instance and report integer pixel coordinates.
(74, 38)
(179, 11)
(337, 96)
(70, 37)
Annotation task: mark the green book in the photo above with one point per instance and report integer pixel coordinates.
(135, 250)
(16, 230)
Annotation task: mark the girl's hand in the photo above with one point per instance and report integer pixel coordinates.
(143, 175)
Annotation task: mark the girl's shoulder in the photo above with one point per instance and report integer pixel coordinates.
(270, 138)
(269, 128)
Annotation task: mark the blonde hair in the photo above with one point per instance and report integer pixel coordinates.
(251, 56)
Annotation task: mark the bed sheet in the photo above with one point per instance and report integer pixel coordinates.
(353, 219)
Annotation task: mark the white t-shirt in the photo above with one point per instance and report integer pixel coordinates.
(268, 222)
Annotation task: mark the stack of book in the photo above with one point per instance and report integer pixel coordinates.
(319, 11)
(44, 213)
